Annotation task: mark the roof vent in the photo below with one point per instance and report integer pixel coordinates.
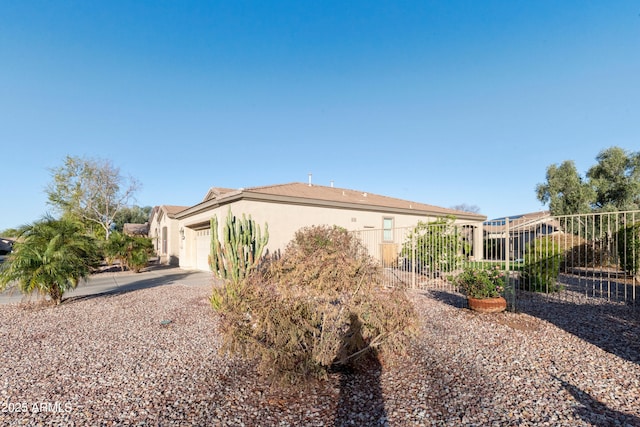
(364, 194)
(310, 179)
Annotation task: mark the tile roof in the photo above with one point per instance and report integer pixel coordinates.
(216, 192)
(136, 229)
(173, 209)
(341, 195)
(521, 222)
(169, 210)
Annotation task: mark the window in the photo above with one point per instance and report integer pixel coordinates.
(387, 229)
(164, 240)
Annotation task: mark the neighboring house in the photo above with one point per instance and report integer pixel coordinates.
(286, 208)
(163, 231)
(521, 230)
(136, 230)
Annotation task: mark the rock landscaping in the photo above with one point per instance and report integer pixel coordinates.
(151, 357)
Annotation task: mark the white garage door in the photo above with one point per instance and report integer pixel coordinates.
(203, 244)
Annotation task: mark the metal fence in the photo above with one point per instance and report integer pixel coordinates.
(591, 258)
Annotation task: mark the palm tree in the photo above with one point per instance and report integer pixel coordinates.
(50, 257)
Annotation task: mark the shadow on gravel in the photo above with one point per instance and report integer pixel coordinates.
(614, 328)
(453, 299)
(360, 402)
(595, 412)
(145, 282)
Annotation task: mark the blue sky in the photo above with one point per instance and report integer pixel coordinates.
(441, 102)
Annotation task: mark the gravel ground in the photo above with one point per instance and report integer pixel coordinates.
(150, 357)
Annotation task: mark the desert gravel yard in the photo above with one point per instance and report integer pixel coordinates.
(150, 357)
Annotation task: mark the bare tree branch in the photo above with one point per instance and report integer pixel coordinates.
(91, 189)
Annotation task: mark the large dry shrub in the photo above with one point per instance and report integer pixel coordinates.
(318, 306)
(577, 252)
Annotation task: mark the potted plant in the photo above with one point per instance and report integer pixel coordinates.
(484, 288)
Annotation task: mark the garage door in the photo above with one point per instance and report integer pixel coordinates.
(203, 244)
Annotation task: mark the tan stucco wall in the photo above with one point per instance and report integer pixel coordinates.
(153, 232)
(283, 221)
(173, 238)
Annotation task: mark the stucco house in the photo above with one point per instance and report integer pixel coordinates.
(286, 208)
(136, 230)
(163, 231)
(518, 231)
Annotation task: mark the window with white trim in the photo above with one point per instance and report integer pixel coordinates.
(387, 229)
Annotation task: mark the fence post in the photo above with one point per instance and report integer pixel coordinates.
(507, 244)
(507, 266)
(478, 243)
(413, 261)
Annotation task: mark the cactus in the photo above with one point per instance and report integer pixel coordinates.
(241, 249)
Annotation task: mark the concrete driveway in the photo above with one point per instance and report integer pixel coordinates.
(114, 282)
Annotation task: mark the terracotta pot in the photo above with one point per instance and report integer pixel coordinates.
(487, 305)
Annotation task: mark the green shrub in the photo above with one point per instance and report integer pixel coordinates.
(481, 282)
(542, 265)
(141, 249)
(318, 306)
(629, 249)
(132, 252)
(435, 246)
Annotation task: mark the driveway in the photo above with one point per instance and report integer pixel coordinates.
(114, 282)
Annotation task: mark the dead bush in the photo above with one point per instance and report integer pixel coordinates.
(318, 306)
(578, 252)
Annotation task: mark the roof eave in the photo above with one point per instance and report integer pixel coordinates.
(303, 201)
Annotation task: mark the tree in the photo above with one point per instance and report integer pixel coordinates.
(131, 215)
(10, 232)
(565, 190)
(616, 180)
(50, 258)
(90, 189)
(613, 184)
(464, 207)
